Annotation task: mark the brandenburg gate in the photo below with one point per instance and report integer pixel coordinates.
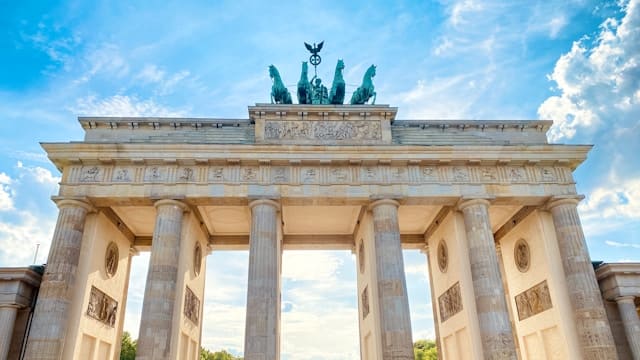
(490, 203)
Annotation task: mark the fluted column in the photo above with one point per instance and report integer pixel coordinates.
(156, 324)
(395, 322)
(631, 322)
(50, 319)
(262, 328)
(493, 313)
(591, 320)
(7, 319)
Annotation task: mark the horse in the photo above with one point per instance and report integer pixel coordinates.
(304, 87)
(365, 91)
(279, 92)
(336, 95)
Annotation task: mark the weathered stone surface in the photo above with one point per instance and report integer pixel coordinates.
(262, 331)
(7, 319)
(156, 323)
(631, 322)
(493, 313)
(591, 319)
(395, 323)
(49, 326)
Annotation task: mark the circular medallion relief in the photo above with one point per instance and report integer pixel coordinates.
(197, 259)
(361, 256)
(111, 258)
(443, 256)
(522, 255)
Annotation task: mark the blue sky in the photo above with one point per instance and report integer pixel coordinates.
(576, 62)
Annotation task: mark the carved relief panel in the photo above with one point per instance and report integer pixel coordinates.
(191, 306)
(450, 302)
(533, 301)
(102, 307)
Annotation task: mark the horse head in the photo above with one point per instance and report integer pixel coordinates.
(340, 65)
(371, 71)
(273, 72)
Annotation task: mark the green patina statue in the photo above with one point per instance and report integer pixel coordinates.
(279, 92)
(319, 94)
(336, 96)
(313, 92)
(365, 91)
(304, 86)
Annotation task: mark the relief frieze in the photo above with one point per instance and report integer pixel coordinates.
(191, 305)
(102, 307)
(533, 301)
(318, 174)
(450, 302)
(123, 175)
(155, 174)
(91, 174)
(323, 130)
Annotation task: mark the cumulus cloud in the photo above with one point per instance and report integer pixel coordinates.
(6, 194)
(598, 79)
(23, 228)
(122, 105)
(617, 200)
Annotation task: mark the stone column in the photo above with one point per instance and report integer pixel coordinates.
(262, 328)
(395, 322)
(631, 322)
(493, 313)
(49, 326)
(591, 320)
(7, 319)
(156, 324)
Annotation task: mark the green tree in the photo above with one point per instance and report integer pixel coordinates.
(425, 350)
(128, 348)
(218, 355)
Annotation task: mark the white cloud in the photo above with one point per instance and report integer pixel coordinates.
(105, 60)
(462, 8)
(151, 73)
(6, 193)
(122, 105)
(306, 266)
(621, 244)
(598, 79)
(39, 174)
(20, 235)
(166, 83)
(616, 200)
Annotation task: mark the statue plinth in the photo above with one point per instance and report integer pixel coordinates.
(322, 124)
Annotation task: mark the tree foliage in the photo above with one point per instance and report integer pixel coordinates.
(218, 355)
(128, 348)
(425, 350)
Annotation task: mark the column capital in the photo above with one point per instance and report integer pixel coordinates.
(133, 251)
(629, 299)
(171, 202)
(383, 202)
(468, 201)
(63, 202)
(563, 200)
(270, 202)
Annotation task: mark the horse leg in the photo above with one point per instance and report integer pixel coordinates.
(374, 98)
